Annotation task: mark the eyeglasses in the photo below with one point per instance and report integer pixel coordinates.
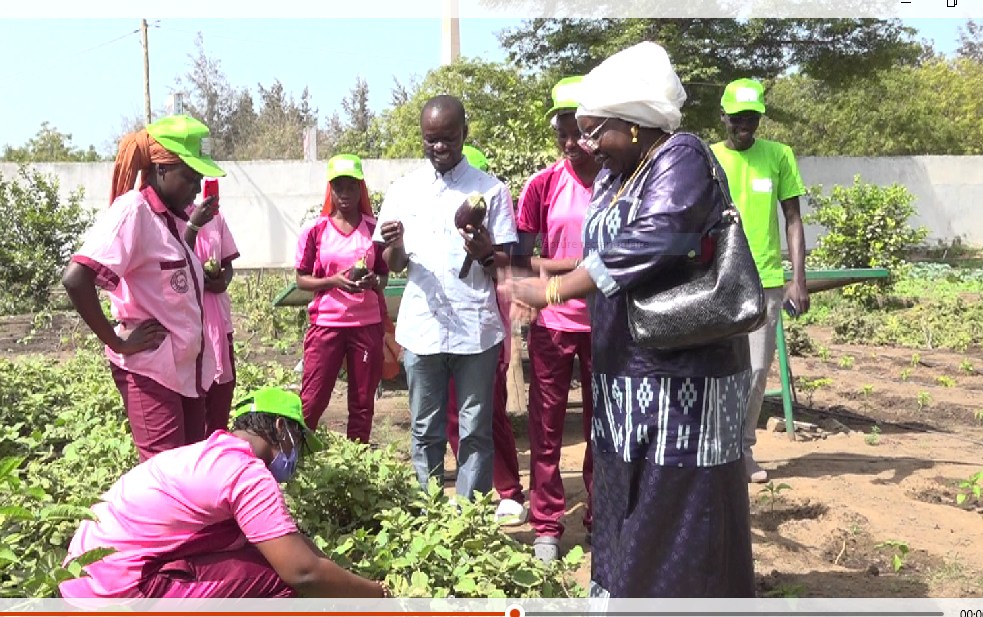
(589, 141)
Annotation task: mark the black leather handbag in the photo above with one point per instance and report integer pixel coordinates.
(702, 303)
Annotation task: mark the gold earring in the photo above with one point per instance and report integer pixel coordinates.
(634, 134)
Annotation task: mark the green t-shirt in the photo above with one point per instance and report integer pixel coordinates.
(759, 178)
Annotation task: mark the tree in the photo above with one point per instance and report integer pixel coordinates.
(971, 41)
(708, 53)
(505, 111)
(211, 99)
(41, 233)
(50, 145)
(358, 132)
(277, 130)
(934, 108)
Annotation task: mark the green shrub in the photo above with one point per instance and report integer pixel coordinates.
(866, 227)
(41, 233)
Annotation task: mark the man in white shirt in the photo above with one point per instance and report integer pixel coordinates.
(448, 324)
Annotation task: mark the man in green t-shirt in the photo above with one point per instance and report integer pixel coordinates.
(761, 173)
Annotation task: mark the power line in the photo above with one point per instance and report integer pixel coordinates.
(110, 42)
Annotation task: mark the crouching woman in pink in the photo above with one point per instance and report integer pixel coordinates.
(337, 260)
(208, 520)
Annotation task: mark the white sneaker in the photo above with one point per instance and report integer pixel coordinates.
(546, 548)
(510, 512)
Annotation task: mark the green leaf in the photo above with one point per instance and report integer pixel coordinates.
(526, 577)
(465, 585)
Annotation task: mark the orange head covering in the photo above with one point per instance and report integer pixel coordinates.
(363, 201)
(137, 152)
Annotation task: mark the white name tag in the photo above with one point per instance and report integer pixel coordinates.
(761, 185)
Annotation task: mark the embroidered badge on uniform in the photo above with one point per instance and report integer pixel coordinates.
(179, 281)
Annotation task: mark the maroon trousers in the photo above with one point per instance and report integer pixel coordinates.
(324, 350)
(505, 463)
(160, 419)
(240, 573)
(551, 356)
(218, 399)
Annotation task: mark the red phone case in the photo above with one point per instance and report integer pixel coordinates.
(211, 189)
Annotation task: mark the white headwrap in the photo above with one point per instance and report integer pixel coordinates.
(637, 85)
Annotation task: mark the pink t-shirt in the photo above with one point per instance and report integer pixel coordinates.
(215, 241)
(322, 251)
(140, 258)
(553, 203)
(203, 498)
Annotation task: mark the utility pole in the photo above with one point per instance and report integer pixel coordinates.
(146, 72)
(450, 35)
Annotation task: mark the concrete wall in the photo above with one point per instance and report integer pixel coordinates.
(265, 201)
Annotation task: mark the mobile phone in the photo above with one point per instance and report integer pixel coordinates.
(790, 308)
(211, 190)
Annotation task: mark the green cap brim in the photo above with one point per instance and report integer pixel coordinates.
(736, 108)
(312, 441)
(203, 165)
(559, 109)
(350, 174)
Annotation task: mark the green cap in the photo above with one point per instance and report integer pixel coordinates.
(743, 95)
(476, 158)
(565, 95)
(345, 165)
(187, 138)
(278, 402)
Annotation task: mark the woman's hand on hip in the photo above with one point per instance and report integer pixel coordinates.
(148, 335)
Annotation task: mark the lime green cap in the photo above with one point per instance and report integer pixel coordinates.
(278, 402)
(187, 138)
(476, 158)
(565, 95)
(743, 95)
(345, 165)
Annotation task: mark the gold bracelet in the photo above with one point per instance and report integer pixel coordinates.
(553, 291)
(386, 592)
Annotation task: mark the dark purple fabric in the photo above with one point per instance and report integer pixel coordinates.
(671, 205)
(662, 532)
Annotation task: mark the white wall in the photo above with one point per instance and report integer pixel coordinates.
(265, 201)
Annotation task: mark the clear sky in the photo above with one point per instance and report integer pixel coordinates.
(85, 76)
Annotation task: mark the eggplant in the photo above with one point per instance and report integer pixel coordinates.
(211, 268)
(358, 271)
(472, 212)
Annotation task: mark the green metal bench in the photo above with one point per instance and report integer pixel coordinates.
(816, 281)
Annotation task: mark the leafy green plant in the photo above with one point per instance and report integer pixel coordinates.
(971, 489)
(823, 353)
(916, 359)
(867, 227)
(865, 392)
(901, 551)
(905, 374)
(945, 381)
(786, 590)
(924, 400)
(874, 436)
(978, 415)
(810, 386)
(797, 340)
(41, 232)
(846, 362)
(36, 571)
(771, 492)
(967, 367)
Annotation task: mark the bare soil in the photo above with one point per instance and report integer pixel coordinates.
(855, 498)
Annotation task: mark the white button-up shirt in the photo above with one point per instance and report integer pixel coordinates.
(439, 312)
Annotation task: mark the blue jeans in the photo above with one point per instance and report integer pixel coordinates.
(474, 380)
